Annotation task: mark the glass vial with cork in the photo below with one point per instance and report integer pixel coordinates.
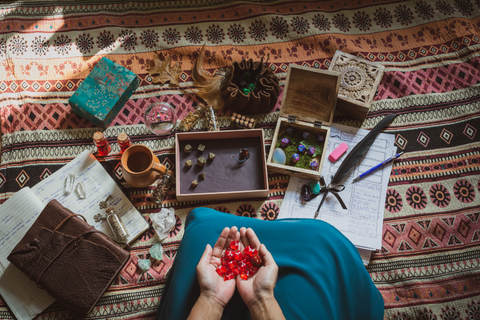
(191, 118)
(163, 186)
(124, 141)
(117, 226)
(102, 144)
(212, 123)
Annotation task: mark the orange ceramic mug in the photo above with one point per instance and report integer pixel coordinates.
(140, 167)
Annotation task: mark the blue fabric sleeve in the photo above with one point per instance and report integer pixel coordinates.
(321, 274)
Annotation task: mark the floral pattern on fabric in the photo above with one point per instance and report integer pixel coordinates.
(270, 211)
(40, 46)
(440, 195)
(320, 22)
(215, 34)
(279, 27)
(341, 22)
(246, 210)
(300, 25)
(362, 21)
(393, 201)
(258, 31)
(84, 43)
(416, 198)
(236, 33)
(171, 36)
(17, 45)
(463, 191)
(128, 40)
(149, 38)
(106, 41)
(404, 15)
(193, 35)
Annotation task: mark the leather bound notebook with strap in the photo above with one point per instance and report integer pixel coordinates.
(74, 262)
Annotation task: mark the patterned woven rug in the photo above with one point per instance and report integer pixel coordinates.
(429, 264)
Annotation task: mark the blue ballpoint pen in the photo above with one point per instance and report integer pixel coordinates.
(378, 166)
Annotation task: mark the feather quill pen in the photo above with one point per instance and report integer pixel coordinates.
(351, 159)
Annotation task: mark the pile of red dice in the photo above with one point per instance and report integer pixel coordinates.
(235, 262)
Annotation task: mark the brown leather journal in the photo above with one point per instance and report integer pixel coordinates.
(74, 262)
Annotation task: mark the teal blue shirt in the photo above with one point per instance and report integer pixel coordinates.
(321, 274)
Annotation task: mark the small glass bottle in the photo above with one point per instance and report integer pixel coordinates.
(102, 144)
(124, 141)
(191, 118)
(211, 115)
(163, 186)
(117, 226)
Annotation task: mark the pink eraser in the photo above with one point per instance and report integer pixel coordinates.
(338, 152)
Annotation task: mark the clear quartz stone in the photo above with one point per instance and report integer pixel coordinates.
(69, 181)
(81, 190)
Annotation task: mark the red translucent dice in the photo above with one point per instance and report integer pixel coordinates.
(234, 245)
(234, 262)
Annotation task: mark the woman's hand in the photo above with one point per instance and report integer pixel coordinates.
(257, 291)
(214, 291)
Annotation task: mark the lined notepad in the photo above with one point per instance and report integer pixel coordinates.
(19, 212)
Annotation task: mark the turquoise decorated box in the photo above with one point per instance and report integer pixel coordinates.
(104, 92)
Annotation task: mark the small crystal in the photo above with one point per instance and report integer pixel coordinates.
(156, 251)
(163, 222)
(289, 130)
(211, 155)
(195, 183)
(144, 264)
(188, 163)
(202, 176)
(314, 165)
(306, 193)
(229, 276)
(314, 187)
(69, 181)
(295, 157)
(284, 142)
(279, 156)
(306, 134)
(302, 148)
(320, 138)
(246, 91)
(81, 190)
(201, 147)
(251, 86)
(311, 151)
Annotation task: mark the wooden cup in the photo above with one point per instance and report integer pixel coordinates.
(140, 167)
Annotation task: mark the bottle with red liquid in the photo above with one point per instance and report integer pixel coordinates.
(102, 144)
(124, 141)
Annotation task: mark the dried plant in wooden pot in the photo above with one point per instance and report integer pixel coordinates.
(249, 87)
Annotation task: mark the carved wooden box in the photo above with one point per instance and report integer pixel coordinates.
(308, 104)
(358, 83)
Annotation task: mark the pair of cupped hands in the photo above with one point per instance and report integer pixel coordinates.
(256, 290)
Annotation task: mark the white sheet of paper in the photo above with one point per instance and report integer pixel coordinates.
(99, 185)
(15, 287)
(362, 222)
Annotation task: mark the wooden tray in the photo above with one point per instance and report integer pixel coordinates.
(225, 177)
